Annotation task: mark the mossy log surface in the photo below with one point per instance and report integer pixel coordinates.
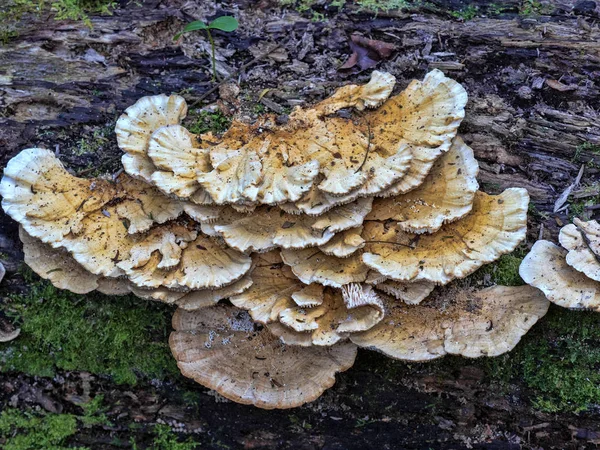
(532, 70)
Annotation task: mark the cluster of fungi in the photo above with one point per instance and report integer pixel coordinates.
(287, 246)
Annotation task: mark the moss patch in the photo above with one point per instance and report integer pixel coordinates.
(28, 431)
(559, 360)
(504, 271)
(165, 439)
(199, 122)
(118, 336)
(14, 10)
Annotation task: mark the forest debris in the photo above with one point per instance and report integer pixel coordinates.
(562, 199)
(272, 51)
(557, 85)
(366, 53)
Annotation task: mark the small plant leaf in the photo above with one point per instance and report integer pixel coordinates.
(224, 23)
(192, 26)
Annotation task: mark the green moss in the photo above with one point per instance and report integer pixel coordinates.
(199, 122)
(94, 413)
(27, 431)
(165, 439)
(311, 6)
(376, 6)
(530, 7)
(589, 147)
(559, 360)
(14, 10)
(121, 336)
(468, 13)
(534, 211)
(95, 141)
(504, 271)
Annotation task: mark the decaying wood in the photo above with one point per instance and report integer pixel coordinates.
(533, 119)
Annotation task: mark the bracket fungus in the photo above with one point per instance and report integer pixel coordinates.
(568, 276)
(221, 348)
(325, 233)
(456, 321)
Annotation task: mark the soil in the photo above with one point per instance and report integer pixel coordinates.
(533, 120)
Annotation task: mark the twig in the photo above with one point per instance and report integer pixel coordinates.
(587, 242)
(241, 69)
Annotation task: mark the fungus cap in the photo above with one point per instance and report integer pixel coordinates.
(209, 297)
(344, 243)
(136, 125)
(270, 227)
(56, 265)
(272, 288)
(446, 195)
(144, 205)
(582, 240)
(220, 348)
(545, 268)
(495, 226)
(311, 265)
(338, 314)
(489, 322)
(45, 199)
(425, 117)
(202, 263)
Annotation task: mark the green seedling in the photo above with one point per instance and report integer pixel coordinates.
(223, 23)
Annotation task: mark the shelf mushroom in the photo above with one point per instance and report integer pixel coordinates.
(325, 233)
(456, 321)
(221, 348)
(568, 276)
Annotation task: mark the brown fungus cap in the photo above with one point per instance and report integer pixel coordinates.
(582, 240)
(455, 321)
(495, 226)
(208, 297)
(136, 125)
(221, 348)
(56, 265)
(344, 244)
(142, 205)
(545, 268)
(177, 156)
(446, 195)
(184, 261)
